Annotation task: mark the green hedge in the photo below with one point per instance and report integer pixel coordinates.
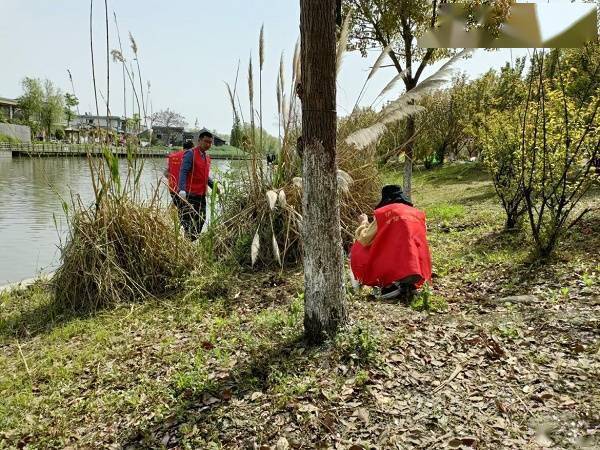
(8, 139)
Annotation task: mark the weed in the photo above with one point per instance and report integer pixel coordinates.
(426, 300)
(508, 331)
(359, 344)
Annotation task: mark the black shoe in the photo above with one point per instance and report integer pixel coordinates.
(390, 292)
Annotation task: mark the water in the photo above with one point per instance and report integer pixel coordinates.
(32, 220)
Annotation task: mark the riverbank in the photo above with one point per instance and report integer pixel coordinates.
(508, 350)
(48, 149)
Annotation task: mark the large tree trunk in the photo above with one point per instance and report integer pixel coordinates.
(325, 308)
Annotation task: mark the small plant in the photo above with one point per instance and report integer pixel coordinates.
(426, 300)
(446, 212)
(296, 310)
(588, 279)
(508, 331)
(361, 377)
(564, 293)
(359, 344)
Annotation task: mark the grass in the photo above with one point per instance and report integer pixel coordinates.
(223, 365)
(227, 151)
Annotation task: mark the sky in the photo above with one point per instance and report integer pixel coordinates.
(188, 49)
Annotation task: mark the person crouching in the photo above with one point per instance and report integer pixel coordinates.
(391, 252)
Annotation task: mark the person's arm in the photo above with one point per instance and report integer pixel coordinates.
(365, 233)
(211, 183)
(186, 166)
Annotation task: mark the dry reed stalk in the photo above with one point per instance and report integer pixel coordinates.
(93, 65)
(107, 61)
(261, 58)
(134, 47)
(123, 64)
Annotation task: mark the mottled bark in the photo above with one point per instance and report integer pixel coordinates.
(325, 308)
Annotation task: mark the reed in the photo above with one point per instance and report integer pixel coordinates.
(261, 217)
(122, 248)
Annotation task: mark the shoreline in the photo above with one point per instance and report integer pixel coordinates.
(24, 284)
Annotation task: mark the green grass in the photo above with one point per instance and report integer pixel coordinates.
(134, 373)
(227, 151)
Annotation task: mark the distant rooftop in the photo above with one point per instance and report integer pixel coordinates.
(8, 101)
(90, 116)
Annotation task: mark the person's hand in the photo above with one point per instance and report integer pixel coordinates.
(363, 219)
(183, 194)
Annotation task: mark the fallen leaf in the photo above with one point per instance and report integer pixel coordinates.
(282, 444)
(226, 395)
(206, 345)
(363, 415)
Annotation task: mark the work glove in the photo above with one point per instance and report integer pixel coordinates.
(183, 194)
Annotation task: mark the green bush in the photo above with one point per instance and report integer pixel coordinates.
(8, 139)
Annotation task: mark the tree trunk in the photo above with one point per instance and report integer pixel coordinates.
(409, 155)
(325, 307)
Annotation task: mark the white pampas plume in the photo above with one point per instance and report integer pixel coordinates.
(296, 63)
(117, 56)
(366, 136)
(276, 250)
(261, 47)
(379, 61)
(404, 105)
(343, 42)
(271, 199)
(344, 181)
(388, 87)
(254, 249)
(282, 199)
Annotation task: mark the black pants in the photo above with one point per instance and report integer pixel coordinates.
(192, 214)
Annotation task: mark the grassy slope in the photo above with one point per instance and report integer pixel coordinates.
(225, 365)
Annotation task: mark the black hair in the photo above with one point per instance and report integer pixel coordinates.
(205, 134)
(188, 144)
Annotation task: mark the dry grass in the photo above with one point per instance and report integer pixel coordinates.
(121, 249)
(254, 229)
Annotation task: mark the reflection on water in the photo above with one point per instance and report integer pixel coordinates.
(31, 217)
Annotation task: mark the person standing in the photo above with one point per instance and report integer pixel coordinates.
(174, 161)
(194, 181)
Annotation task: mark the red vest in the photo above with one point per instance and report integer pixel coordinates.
(174, 161)
(197, 179)
(399, 249)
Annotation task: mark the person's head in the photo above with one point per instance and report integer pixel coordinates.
(205, 140)
(188, 144)
(392, 193)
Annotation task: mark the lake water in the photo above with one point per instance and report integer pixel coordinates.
(31, 216)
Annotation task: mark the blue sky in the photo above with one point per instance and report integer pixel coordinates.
(188, 48)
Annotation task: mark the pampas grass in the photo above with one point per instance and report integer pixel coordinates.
(404, 106)
(261, 60)
(135, 49)
(263, 208)
(342, 44)
(120, 249)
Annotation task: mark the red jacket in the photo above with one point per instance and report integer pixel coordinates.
(399, 249)
(174, 161)
(197, 178)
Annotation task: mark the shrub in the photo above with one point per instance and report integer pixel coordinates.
(501, 150)
(120, 249)
(559, 147)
